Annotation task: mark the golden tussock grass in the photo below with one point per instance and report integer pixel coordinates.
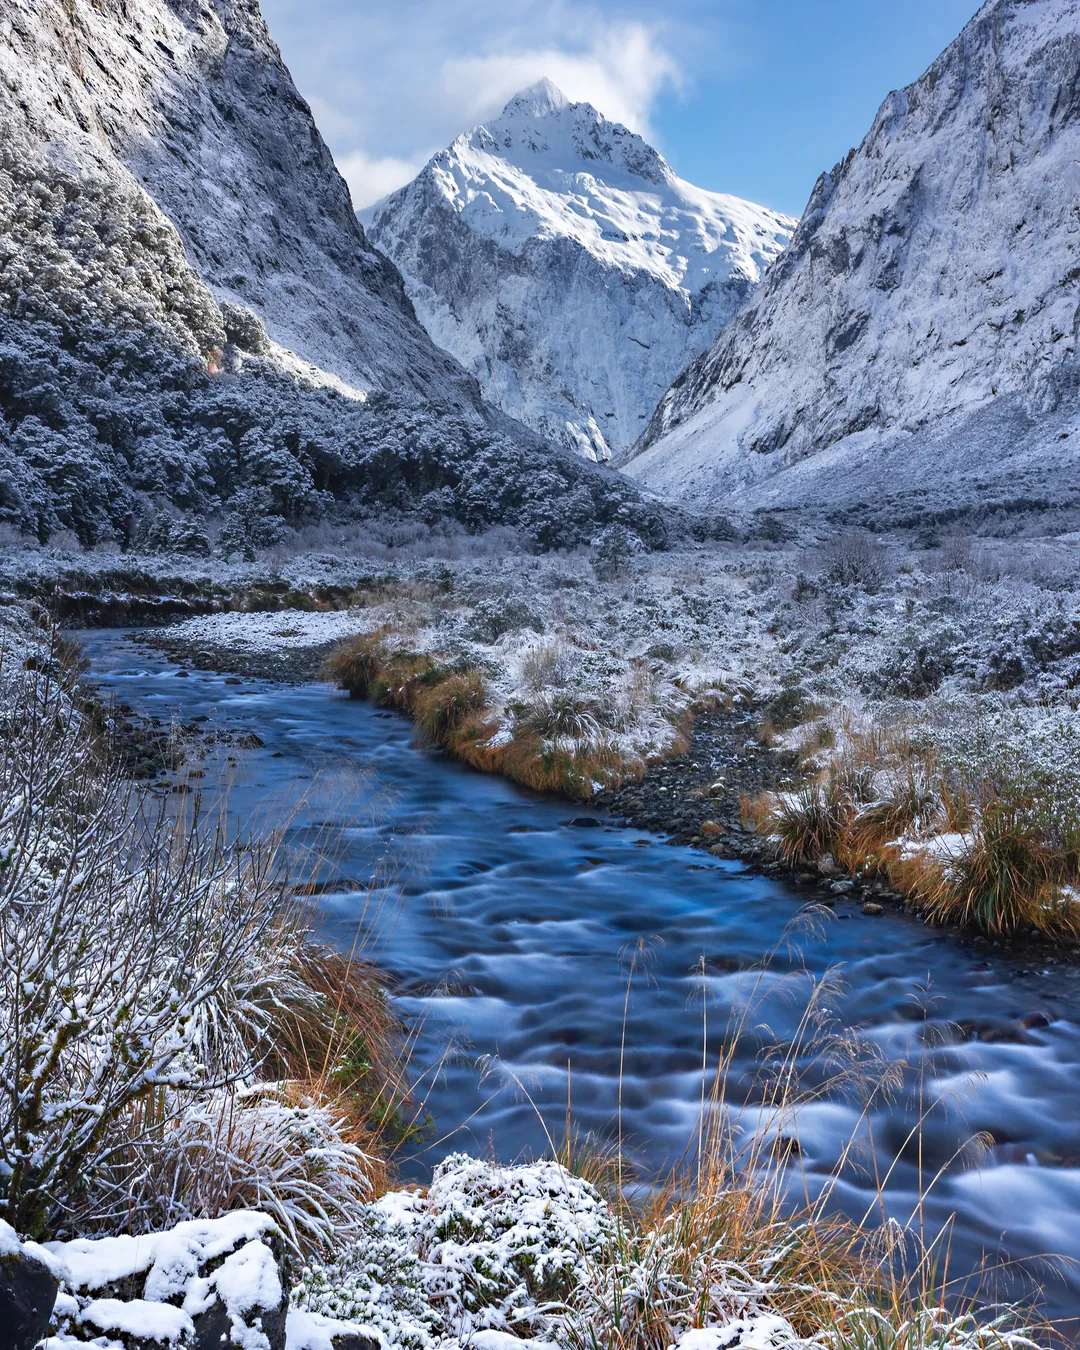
(558, 744)
(987, 849)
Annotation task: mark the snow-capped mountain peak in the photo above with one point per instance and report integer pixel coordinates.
(557, 255)
(540, 122)
(539, 99)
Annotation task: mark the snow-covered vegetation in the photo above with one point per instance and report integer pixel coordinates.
(171, 1041)
(936, 673)
(138, 410)
(516, 1258)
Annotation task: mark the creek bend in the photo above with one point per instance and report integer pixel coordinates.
(509, 934)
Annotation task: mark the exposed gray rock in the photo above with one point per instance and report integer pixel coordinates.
(28, 1287)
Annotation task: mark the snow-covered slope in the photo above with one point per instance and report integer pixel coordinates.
(557, 256)
(191, 96)
(919, 335)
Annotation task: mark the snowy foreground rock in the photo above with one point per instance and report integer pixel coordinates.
(495, 1258)
(564, 264)
(916, 345)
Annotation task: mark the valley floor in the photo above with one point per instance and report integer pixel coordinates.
(899, 710)
(890, 708)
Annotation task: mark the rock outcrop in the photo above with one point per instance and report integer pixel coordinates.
(191, 99)
(28, 1288)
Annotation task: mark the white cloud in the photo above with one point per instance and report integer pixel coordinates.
(412, 74)
(621, 71)
(373, 176)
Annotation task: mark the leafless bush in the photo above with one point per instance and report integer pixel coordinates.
(853, 559)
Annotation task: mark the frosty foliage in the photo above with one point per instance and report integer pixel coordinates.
(534, 1252)
(141, 960)
(489, 1247)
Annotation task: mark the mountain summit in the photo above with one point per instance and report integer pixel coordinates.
(565, 265)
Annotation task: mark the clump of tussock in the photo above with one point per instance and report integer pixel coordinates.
(970, 827)
(442, 707)
(558, 742)
(561, 716)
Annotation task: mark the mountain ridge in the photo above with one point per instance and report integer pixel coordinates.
(927, 304)
(192, 98)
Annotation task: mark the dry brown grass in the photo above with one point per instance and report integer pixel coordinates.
(557, 746)
(1015, 871)
(345, 1046)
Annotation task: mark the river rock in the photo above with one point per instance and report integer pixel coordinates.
(212, 1282)
(873, 909)
(28, 1288)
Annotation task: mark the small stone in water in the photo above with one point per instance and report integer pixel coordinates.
(871, 908)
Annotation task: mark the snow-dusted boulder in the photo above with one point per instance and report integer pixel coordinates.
(28, 1287)
(564, 264)
(199, 1286)
(919, 335)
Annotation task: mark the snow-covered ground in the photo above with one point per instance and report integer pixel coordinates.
(956, 632)
(565, 265)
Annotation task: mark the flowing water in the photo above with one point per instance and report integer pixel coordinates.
(546, 955)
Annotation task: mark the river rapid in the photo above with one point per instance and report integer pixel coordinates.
(542, 953)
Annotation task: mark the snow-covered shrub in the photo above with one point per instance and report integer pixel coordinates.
(489, 1247)
(144, 963)
(244, 328)
(853, 559)
(379, 1280)
(495, 616)
(510, 1245)
(613, 550)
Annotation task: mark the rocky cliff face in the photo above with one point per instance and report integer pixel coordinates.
(919, 335)
(162, 189)
(190, 97)
(557, 256)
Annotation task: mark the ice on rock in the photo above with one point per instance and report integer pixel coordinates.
(565, 265)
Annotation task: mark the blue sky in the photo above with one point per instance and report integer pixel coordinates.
(754, 97)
